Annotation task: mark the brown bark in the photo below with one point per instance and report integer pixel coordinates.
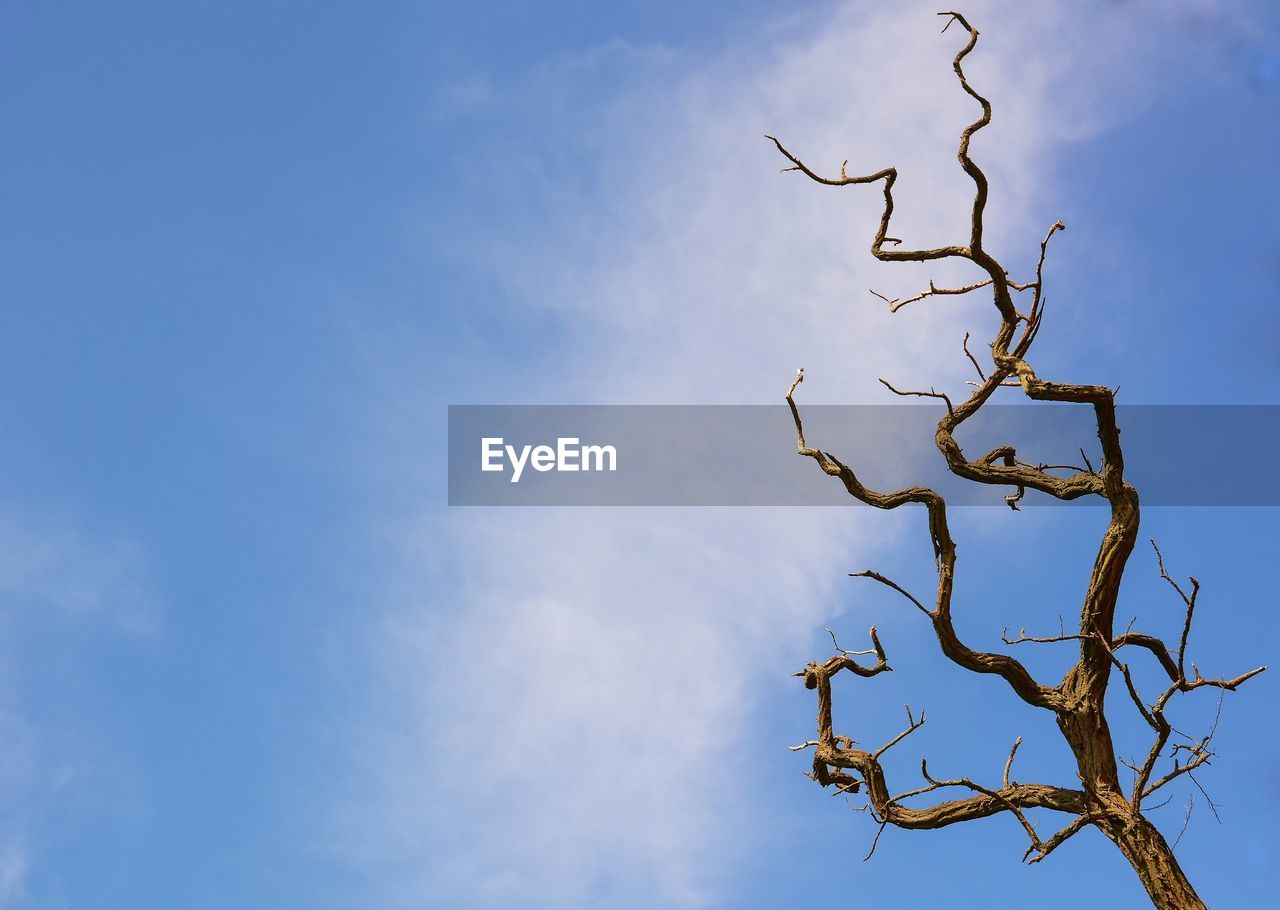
(1078, 700)
(1147, 851)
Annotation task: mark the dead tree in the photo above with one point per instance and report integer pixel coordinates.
(1098, 798)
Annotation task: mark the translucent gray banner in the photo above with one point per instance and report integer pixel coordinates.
(745, 455)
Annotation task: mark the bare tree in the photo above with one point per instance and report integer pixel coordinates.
(1098, 798)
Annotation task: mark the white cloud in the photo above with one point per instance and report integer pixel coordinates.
(562, 698)
(574, 717)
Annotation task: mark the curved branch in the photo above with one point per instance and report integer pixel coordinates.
(834, 756)
(985, 803)
(929, 394)
(970, 168)
(896, 304)
(944, 548)
(889, 175)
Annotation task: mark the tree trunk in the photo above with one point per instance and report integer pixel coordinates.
(1149, 854)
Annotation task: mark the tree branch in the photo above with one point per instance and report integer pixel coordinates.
(1018, 677)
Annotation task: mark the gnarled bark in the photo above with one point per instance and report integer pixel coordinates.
(1147, 851)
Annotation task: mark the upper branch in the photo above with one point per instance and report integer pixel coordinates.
(966, 162)
(888, 175)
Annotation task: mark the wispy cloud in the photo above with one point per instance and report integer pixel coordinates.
(13, 871)
(50, 564)
(57, 582)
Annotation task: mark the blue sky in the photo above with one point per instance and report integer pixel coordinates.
(249, 253)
